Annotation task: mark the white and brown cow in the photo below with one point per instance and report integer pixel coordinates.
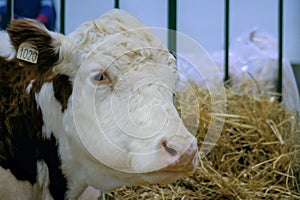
(96, 109)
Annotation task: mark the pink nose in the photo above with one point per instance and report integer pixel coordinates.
(184, 157)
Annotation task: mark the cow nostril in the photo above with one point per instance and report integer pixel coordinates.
(170, 150)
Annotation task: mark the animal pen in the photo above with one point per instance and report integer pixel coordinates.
(257, 154)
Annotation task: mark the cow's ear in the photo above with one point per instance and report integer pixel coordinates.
(34, 44)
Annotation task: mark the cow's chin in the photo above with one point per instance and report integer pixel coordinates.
(165, 177)
(169, 174)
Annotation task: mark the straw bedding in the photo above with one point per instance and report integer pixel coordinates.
(256, 155)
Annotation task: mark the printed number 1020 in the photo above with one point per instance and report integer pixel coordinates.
(28, 54)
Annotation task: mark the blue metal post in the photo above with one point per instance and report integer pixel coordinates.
(9, 13)
(117, 4)
(62, 16)
(280, 47)
(172, 25)
(226, 38)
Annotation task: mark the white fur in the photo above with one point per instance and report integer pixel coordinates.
(43, 180)
(90, 194)
(28, 88)
(13, 189)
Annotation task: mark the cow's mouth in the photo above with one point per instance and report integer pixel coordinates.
(188, 167)
(166, 176)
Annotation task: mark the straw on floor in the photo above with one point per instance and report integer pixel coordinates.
(257, 155)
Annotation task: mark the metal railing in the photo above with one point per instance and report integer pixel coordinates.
(172, 25)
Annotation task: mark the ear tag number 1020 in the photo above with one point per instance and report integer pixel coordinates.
(27, 52)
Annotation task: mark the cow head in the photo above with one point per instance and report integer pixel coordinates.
(118, 125)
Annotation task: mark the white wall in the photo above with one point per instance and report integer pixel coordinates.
(202, 19)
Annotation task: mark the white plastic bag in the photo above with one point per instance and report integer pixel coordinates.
(253, 56)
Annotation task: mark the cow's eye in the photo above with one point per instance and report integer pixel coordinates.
(99, 77)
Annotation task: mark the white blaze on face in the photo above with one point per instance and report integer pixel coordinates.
(142, 100)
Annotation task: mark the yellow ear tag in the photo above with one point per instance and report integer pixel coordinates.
(28, 52)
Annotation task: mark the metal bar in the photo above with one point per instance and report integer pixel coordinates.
(226, 38)
(62, 16)
(172, 25)
(117, 4)
(9, 13)
(280, 47)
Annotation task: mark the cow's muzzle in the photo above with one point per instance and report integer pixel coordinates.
(181, 157)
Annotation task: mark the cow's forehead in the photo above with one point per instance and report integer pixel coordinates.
(113, 22)
(125, 50)
(118, 39)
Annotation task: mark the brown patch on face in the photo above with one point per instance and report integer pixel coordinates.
(62, 90)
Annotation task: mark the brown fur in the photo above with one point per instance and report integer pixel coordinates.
(31, 31)
(21, 140)
(62, 90)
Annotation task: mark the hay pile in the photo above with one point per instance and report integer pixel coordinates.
(256, 156)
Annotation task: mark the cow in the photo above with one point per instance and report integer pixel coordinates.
(93, 108)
